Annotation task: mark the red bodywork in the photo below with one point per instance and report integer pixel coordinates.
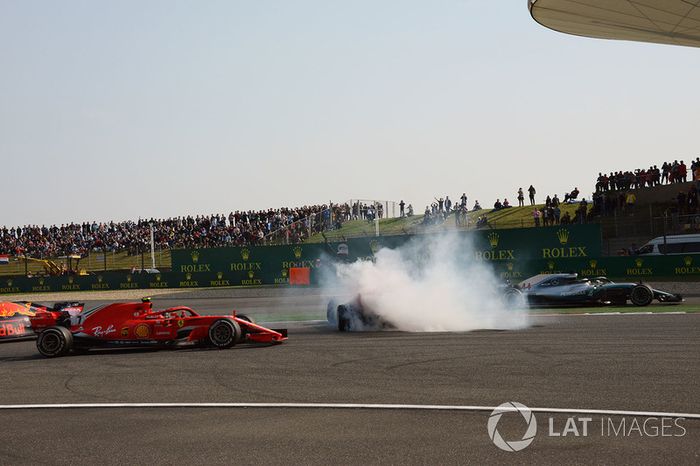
(137, 324)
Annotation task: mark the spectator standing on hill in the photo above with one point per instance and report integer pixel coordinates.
(582, 211)
(664, 172)
(448, 204)
(463, 199)
(521, 198)
(531, 191)
(402, 204)
(695, 169)
(682, 172)
(546, 219)
(536, 217)
(557, 214)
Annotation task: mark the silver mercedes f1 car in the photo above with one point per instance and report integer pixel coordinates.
(567, 289)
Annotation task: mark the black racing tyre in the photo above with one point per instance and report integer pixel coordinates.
(513, 296)
(641, 295)
(344, 319)
(332, 313)
(54, 342)
(224, 333)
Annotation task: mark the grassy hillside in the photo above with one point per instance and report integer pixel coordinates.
(514, 217)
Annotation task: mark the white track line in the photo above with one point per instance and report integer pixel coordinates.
(342, 406)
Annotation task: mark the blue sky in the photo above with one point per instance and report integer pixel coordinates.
(121, 110)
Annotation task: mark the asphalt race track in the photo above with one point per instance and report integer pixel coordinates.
(620, 362)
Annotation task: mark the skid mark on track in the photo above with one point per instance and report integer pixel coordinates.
(424, 361)
(67, 384)
(218, 376)
(356, 360)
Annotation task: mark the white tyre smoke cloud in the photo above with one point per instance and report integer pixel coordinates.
(431, 284)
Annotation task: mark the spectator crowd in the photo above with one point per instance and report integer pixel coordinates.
(238, 228)
(294, 225)
(670, 172)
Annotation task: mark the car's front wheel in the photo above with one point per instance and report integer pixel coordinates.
(54, 342)
(224, 333)
(641, 295)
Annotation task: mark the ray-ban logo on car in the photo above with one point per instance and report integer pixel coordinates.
(512, 445)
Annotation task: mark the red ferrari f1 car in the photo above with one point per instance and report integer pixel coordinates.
(15, 315)
(137, 325)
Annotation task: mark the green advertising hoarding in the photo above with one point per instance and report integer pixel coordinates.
(245, 266)
(514, 254)
(629, 268)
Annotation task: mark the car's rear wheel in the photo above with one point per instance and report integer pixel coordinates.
(54, 342)
(224, 333)
(641, 295)
(344, 319)
(332, 313)
(513, 297)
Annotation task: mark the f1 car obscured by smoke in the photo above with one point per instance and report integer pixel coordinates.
(14, 317)
(355, 315)
(567, 289)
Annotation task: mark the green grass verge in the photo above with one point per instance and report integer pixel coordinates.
(515, 217)
(656, 309)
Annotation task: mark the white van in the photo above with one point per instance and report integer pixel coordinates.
(671, 244)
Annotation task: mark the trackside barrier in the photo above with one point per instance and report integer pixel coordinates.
(514, 254)
(650, 268)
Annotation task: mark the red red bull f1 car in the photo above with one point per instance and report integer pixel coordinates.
(15, 315)
(124, 325)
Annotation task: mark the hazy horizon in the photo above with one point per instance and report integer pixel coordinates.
(127, 110)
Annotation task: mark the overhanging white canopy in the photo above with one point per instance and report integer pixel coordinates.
(675, 22)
